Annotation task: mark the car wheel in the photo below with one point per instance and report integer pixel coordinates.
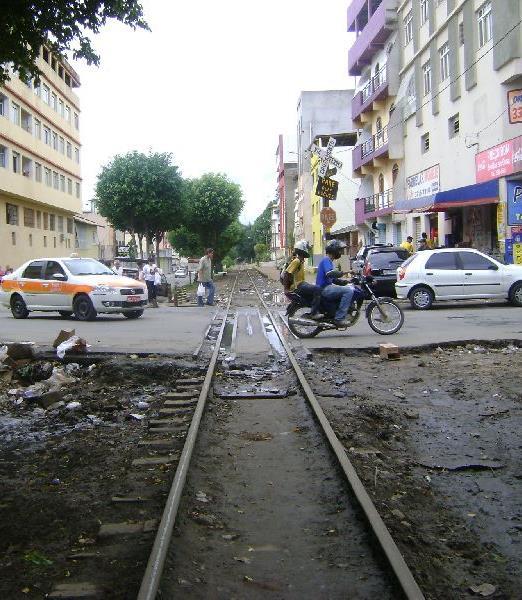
(19, 307)
(83, 308)
(515, 294)
(66, 314)
(421, 298)
(133, 314)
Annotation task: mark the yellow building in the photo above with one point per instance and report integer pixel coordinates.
(40, 183)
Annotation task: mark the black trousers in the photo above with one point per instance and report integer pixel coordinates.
(151, 289)
(312, 293)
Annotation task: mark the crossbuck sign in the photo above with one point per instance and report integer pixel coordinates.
(326, 156)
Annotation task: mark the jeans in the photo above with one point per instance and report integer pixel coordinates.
(341, 293)
(210, 287)
(151, 289)
(312, 293)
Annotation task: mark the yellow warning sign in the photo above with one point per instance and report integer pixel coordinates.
(517, 254)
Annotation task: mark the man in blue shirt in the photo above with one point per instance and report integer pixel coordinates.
(326, 278)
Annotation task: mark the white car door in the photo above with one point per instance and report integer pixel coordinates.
(32, 284)
(441, 273)
(55, 293)
(482, 277)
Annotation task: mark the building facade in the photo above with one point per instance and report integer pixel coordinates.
(285, 198)
(461, 70)
(40, 182)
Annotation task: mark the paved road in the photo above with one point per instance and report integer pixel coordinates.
(166, 329)
(444, 323)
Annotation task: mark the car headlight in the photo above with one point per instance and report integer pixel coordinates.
(104, 289)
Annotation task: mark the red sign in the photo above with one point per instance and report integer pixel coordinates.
(515, 106)
(499, 161)
(328, 216)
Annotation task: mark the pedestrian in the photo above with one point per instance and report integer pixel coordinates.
(408, 244)
(157, 280)
(205, 277)
(149, 271)
(422, 244)
(117, 268)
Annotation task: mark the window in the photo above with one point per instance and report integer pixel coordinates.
(46, 94)
(69, 150)
(70, 224)
(477, 262)
(47, 135)
(53, 268)
(69, 186)
(424, 11)
(60, 223)
(16, 162)
(77, 155)
(46, 220)
(30, 239)
(54, 138)
(48, 180)
(52, 222)
(11, 214)
(454, 125)
(77, 190)
(485, 28)
(37, 129)
(39, 219)
(76, 121)
(54, 101)
(56, 180)
(33, 270)
(425, 143)
(28, 217)
(26, 121)
(37, 89)
(15, 112)
(461, 33)
(62, 183)
(445, 261)
(54, 241)
(408, 28)
(61, 107)
(444, 61)
(13, 238)
(45, 241)
(61, 145)
(27, 167)
(3, 105)
(3, 156)
(426, 77)
(67, 113)
(395, 172)
(37, 172)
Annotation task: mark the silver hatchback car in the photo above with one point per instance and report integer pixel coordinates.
(456, 274)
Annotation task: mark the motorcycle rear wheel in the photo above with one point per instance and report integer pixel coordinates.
(301, 331)
(392, 312)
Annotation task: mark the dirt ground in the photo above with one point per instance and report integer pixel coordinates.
(435, 437)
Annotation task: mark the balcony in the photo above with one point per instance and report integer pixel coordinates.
(373, 206)
(373, 21)
(375, 89)
(374, 148)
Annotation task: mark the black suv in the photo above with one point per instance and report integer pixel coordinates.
(357, 261)
(381, 263)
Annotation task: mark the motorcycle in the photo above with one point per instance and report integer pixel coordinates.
(384, 315)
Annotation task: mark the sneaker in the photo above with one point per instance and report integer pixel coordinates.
(316, 316)
(341, 323)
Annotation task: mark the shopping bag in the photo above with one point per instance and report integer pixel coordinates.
(201, 290)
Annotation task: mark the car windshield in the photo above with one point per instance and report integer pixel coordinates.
(388, 260)
(86, 266)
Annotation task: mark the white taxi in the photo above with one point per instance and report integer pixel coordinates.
(82, 286)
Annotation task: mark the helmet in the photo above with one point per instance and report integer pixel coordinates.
(335, 248)
(302, 248)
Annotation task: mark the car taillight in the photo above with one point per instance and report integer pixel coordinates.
(401, 273)
(367, 269)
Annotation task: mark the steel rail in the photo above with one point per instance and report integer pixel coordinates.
(397, 563)
(153, 573)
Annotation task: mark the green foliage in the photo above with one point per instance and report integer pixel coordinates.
(212, 205)
(141, 193)
(262, 226)
(61, 25)
(261, 252)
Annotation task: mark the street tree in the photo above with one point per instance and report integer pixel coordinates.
(142, 194)
(61, 25)
(212, 205)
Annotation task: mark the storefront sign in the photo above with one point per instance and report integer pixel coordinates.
(514, 202)
(423, 184)
(499, 161)
(327, 188)
(515, 106)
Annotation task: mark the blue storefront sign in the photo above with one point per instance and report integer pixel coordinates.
(514, 202)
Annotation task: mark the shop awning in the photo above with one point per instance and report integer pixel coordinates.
(469, 195)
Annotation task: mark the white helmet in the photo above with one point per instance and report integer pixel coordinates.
(302, 248)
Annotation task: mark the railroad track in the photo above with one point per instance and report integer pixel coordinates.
(153, 575)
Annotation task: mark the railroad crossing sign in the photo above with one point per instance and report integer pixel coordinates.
(326, 156)
(328, 217)
(327, 188)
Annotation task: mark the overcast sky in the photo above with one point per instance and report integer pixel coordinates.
(214, 83)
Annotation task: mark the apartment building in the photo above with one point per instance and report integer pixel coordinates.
(285, 198)
(320, 114)
(40, 183)
(460, 114)
(378, 157)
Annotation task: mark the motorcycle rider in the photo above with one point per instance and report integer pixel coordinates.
(294, 277)
(334, 289)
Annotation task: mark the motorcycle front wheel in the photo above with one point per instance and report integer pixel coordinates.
(299, 329)
(386, 317)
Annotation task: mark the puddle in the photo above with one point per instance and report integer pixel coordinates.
(273, 338)
(226, 340)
